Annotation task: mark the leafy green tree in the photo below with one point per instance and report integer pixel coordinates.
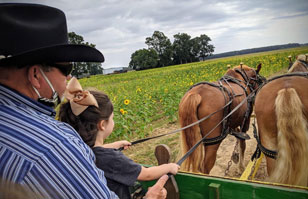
(162, 45)
(95, 68)
(73, 38)
(200, 48)
(83, 68)
(181, 48)
(195, 49)
(144, 59)
(206, 49)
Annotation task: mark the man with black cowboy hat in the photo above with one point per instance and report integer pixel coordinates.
(37, 151)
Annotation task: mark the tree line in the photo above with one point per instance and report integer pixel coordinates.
(161, 52)
(83, 69)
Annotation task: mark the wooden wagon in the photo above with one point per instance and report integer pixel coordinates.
(186, 185)
(199, 186)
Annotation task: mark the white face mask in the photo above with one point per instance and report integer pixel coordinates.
(54, 101)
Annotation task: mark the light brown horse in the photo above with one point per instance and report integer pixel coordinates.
(208, 97)
(300, 64)
(281, 109)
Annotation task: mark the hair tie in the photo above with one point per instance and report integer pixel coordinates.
(79, 99)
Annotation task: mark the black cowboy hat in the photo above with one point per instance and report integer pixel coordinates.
(34, 34)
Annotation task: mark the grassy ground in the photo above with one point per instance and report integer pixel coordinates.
(143, 153)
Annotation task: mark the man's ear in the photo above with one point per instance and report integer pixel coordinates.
(101, 125)
(34, 76)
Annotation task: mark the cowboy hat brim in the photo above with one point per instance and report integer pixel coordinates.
(54, 54)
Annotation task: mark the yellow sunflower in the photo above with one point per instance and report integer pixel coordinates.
(126, 102)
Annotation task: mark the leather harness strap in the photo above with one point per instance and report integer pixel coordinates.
(225, 130)
(267, 152)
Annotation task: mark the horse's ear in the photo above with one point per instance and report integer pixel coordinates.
(290, 58)
(258, 68)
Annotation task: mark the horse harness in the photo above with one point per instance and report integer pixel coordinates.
(227, 111)
(231, 95)
(260, 148)
(304, 63)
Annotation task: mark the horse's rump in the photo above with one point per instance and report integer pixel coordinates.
(198, 103)
(281, 107)
(188, 115)
(292, 140)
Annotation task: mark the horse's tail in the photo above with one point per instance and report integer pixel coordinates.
(187, 115)
(292, 138)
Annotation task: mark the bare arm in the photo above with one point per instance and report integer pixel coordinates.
(118, 144)
(156, 172)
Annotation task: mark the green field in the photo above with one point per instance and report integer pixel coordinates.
(144, 100)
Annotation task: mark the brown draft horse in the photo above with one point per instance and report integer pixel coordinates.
(300, 64)
(207, 97)
(281, 109)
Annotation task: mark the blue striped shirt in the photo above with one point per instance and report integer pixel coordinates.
(43, 154)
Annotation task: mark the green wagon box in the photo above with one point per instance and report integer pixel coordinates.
(201, 186)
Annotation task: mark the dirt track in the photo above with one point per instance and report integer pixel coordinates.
(224, 154)
(144, 153)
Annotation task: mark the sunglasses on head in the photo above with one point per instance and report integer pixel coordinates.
(65, 69)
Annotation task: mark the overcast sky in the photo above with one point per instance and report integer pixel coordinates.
(119, 27)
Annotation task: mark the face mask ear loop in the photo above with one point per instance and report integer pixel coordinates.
(47, 80)
(36, 91)
(55, 97)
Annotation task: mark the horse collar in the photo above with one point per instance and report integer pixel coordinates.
(304, 63)
(243, 74)
(246, 79)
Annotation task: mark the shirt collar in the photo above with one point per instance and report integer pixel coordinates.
(22, 100)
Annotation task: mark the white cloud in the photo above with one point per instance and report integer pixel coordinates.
(119, 27)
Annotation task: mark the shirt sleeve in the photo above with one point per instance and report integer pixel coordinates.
(117, 166)
(70, 167)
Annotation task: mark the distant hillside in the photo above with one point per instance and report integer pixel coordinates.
(255, 50)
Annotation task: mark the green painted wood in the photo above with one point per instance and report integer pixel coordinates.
(193, 186)
(214, 191)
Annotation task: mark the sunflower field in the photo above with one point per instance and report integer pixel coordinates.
(143, 98)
